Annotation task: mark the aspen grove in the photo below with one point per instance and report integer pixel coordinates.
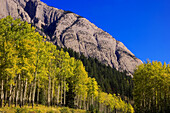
(33, 72)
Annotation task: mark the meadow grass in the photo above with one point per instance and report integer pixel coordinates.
(40, 109)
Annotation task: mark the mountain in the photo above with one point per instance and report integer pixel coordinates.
(67, 29)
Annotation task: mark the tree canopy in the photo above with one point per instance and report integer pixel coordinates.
(152, 88)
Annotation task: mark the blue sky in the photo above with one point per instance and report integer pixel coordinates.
(142, 25)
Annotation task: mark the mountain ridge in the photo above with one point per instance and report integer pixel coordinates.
(67, 29)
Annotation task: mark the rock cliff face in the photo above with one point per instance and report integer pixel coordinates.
(70, 30)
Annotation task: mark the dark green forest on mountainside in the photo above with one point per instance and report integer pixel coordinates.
(109, 79)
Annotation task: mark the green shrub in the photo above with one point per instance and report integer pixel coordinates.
(65, 110)
(34, 111)
(21, 110)
(72, 111)
(26, 110)
(51, 111)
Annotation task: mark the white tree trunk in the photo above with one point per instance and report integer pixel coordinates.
(17, 93)
(49, 87)
(64, 92)
(25, 92)
(13, 94)
(2, 93)
(5, 96)
(61, 101)
(84, 104)
(30, 94)
(58, 94)
(52, 92)
(21, 92)
(38, 92)
(34, 88)
(80, 103)
(92, 100)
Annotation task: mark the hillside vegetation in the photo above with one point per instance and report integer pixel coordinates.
(40, 109)
(33, 71)
(152, 88)
(109, 79)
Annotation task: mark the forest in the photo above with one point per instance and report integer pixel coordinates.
(33, 71)
(109, 79)
(152, 88)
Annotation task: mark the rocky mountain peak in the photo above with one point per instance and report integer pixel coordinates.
(67, 29)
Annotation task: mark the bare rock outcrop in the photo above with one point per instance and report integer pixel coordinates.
(67, 29)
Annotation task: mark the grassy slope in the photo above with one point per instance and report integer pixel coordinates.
(40, 109)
